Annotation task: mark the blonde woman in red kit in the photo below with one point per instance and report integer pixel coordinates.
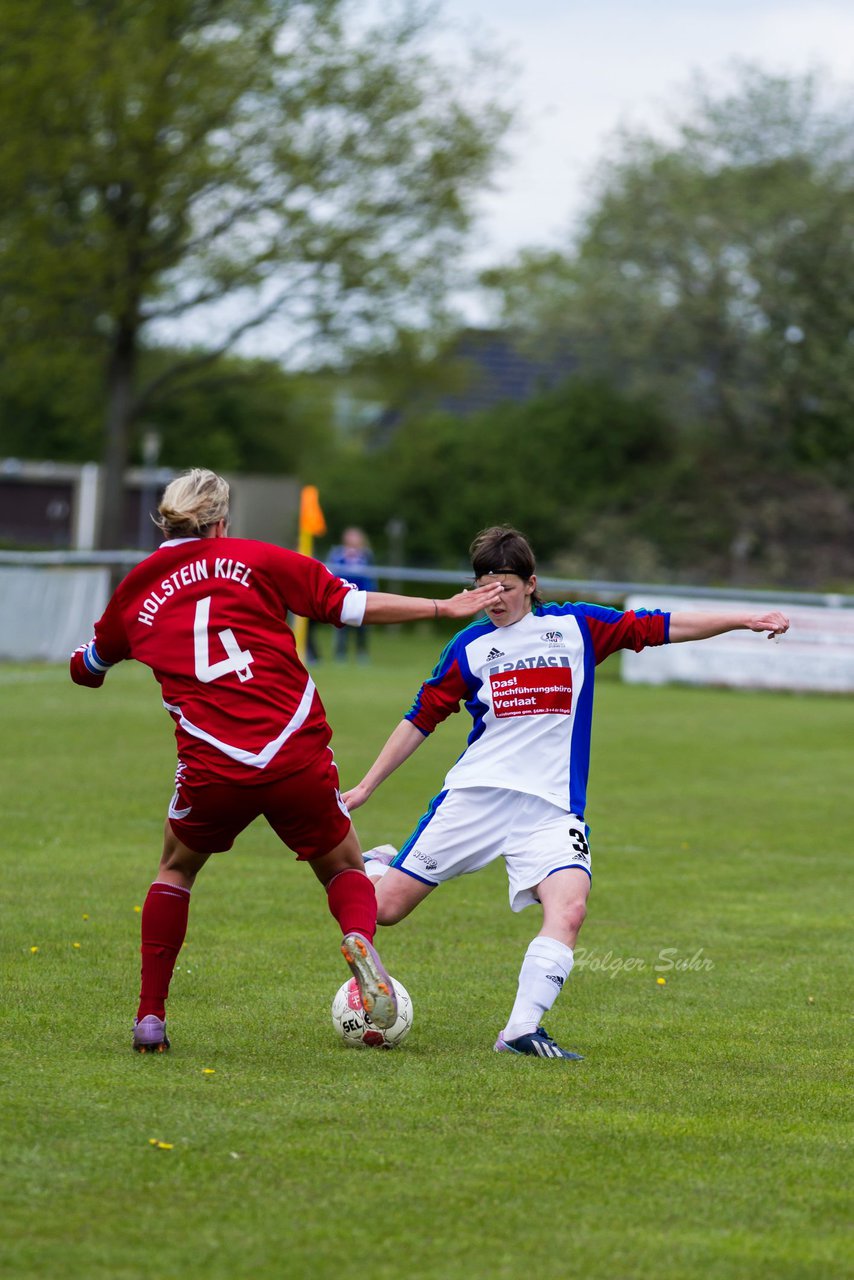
(208, 614)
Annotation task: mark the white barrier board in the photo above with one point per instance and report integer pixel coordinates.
(46, 613)
(816, 654)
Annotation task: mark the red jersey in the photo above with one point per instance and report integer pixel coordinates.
(209, 617)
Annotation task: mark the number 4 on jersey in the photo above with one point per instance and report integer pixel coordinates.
(238, 659)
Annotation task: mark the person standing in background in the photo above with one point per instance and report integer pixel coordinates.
(353, 561)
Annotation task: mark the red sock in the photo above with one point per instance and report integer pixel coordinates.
(353, 902)
(164, 927)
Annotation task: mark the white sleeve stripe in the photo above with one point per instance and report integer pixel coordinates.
(95, 663)
(353, 608)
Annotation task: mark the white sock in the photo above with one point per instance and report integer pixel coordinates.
(377, 861)
(547, 965)
(375, 870)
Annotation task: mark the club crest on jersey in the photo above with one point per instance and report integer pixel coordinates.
(552, 637)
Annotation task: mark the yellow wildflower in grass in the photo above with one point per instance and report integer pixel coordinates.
(33, 950)
(208, 1071)
(76, 946)
(661, 981)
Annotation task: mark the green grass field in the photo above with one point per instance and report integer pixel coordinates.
(704, 1135)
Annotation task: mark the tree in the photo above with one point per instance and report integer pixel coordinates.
(554, 465)
(245, 415)
(169, 158)
(717, 269)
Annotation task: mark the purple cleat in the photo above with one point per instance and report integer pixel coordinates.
(149, 1035)
(375, 986)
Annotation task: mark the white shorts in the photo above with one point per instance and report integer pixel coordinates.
(466, 828)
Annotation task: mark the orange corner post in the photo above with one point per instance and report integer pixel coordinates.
(311, 525)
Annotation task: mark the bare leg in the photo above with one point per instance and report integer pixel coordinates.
(179, 864)
(346, 856)
(564, 897)
(397, 894)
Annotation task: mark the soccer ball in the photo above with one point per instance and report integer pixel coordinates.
(354, 1026)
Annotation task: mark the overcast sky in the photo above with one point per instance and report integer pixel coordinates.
(586, 66)
(581, 69)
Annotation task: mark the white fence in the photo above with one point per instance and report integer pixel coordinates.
(50, 600)
(816, 654)
(46, 613)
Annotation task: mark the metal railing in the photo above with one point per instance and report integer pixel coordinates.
(569, 588)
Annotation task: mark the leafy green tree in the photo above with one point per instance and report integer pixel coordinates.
(575, 455)
(244, 415)
(240, 415)
(235, 161)
(716, 268)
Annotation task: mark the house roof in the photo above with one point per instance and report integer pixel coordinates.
(490, 366)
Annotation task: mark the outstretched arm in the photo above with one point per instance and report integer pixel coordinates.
(403, 741)
(383, 607)
(701, 626)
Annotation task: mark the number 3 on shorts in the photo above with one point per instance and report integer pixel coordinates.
(578, 840)
(238, 659)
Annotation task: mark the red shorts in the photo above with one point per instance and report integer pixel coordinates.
(304, 809)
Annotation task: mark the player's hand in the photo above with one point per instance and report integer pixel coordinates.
(355, 797)
(468, 603)
(775, 623)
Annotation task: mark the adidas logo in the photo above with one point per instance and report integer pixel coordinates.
(493, 654)
(556, 979)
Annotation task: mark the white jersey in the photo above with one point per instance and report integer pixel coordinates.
(529, 690)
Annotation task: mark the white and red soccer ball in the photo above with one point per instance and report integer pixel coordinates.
(354, 1026)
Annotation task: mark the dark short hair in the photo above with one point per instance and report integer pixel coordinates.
(503, 549)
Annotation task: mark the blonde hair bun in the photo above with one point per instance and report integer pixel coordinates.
(191, 503)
